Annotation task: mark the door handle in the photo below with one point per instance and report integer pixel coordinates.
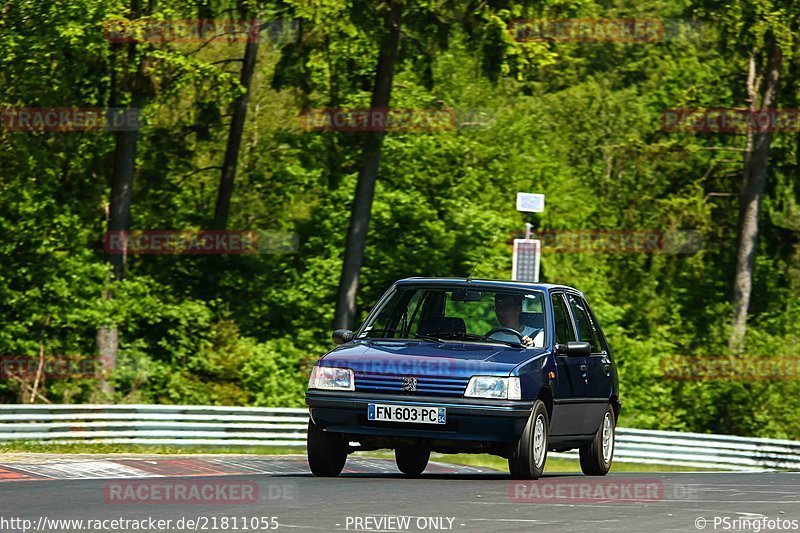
(583, 368)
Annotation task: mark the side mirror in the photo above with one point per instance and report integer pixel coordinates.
(342, 336)
(574, 348)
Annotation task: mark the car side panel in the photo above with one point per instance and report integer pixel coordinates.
(570, 401)
(570, 391)
(601, 380)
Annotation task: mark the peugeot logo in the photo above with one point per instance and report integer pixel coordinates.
(409, 384)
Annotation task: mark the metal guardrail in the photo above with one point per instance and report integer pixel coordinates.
(260, 426)
(154, 424)
(705, 450)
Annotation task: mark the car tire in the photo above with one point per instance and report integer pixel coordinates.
(327, 452)
(412, 460)
(597, 456)
(530, 452)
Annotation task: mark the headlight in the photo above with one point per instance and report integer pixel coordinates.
(492, 387)
(331, 378)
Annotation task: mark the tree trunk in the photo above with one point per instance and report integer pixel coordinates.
(107, 346)
(367, 175)
(122, 193)
(124, 167)
(225, 191)
(755, 178)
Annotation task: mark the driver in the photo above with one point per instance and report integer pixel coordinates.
(507, 308)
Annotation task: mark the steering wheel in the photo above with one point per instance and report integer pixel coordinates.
(506, 330)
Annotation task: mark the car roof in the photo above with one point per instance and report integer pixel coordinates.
(486, 283)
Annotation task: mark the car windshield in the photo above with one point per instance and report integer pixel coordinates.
(438, 314)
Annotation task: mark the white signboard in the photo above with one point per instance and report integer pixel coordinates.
(525, 266)
(530, 202)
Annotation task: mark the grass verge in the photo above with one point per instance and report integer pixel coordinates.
(554, 464)
(149, 449)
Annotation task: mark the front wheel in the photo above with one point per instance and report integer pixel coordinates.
(412, 460)
(327, 452)
(596, 457)
(529, 454)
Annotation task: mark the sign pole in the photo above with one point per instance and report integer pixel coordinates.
(527, 251)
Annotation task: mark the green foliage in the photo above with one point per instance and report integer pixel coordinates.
(578, 121)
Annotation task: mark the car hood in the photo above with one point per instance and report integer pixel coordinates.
(451, 359)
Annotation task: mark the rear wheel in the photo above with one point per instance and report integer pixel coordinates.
(327, 452)
(412, 460)
(530, 453)
(597, 456)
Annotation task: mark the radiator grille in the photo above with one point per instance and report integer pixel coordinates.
(426, 385)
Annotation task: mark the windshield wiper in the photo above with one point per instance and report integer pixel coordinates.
(429, 338)
(439, 340)
(476, 337)
(422, 336)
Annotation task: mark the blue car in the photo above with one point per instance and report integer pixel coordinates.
(467, 366)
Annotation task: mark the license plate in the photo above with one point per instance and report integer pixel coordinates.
(406, 413)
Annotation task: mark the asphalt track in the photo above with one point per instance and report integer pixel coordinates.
(371, 496)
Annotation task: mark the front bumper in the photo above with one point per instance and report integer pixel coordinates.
(468, 419)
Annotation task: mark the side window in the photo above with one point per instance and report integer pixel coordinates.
(561, 320)
(410, 319)
(389, 316)
(586, 328)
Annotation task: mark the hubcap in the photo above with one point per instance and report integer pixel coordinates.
(608, 438)
(538, 441)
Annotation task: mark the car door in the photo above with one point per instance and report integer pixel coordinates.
(600, 382)
(571, 375)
